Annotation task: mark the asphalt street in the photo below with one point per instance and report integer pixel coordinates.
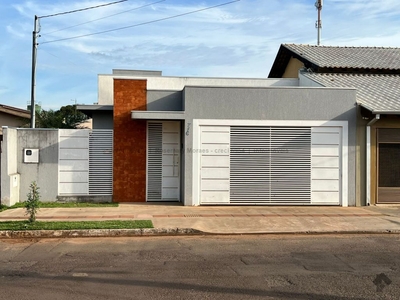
(203, 267)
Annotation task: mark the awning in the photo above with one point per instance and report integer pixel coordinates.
(157, 115)
(89, 109)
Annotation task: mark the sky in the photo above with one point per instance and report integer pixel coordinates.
(237, 39)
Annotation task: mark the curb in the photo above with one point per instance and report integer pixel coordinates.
(20, 234)
(328, 232)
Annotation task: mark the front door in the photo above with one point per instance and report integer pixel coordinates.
(163, 161)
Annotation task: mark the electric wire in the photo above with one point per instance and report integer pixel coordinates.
(82, 9)
(140, 24)
(109, 16)
(68, 60)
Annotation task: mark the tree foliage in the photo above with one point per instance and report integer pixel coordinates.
(67, 117)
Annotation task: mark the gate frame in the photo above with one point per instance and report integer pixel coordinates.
(293, 123)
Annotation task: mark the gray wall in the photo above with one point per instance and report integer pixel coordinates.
(102, 119)
(305, 81)
(164, 101)
(270, 104)
(361, 156)
(45, 173)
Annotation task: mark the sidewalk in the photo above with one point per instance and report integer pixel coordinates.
(235, 219)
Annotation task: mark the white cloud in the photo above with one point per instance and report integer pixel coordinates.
(3, 89)
(368, 9)
(238, 40)
(15, 32)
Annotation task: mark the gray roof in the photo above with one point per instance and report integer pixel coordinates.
(378, 93)
(382, 58)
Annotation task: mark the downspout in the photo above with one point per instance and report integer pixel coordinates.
(370, 123)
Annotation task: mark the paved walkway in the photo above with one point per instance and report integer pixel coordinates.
(235, 219)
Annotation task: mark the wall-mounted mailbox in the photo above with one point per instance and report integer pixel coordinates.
(31, 155)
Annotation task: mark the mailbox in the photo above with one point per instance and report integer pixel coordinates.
(31, 155)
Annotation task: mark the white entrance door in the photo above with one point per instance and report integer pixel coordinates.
(170, 161)
(163, 161)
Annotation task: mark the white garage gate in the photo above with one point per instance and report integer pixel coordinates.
(250, 164)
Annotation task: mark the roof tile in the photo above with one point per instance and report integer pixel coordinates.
(377, 92)
(349, 57)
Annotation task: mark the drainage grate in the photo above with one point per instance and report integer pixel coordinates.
(192, 216)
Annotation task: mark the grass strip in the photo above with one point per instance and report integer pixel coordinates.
(50, 225)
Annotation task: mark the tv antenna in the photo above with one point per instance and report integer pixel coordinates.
(318, 23)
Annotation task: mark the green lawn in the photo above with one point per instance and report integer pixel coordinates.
(40, 225)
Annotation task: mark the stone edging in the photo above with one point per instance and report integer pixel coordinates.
(20, 234)
(16, 234)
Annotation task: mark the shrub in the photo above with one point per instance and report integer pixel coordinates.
(32, 204)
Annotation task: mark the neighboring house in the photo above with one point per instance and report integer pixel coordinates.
(13, 117)
(375, 73)
(88, 124)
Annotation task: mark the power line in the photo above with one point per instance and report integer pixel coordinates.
(35, 35)
(82, 9)
(103, 17)
(140, 24)
(70, 61)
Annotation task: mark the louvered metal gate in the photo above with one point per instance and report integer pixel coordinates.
(270, 165)
(100, 162)
(154, 161)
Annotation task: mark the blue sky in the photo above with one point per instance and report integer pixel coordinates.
(236, 40)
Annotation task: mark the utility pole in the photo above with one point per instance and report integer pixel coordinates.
(34, 55)
(318, 24)
(35, 35)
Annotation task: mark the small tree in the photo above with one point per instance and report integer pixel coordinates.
(32, 204)
(67, 117)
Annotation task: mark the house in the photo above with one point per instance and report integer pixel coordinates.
(227, 141)
(198, 141)
(12, 116)
(375, 73)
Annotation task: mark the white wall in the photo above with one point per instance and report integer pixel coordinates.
(307, 82)
(73, 164)
(106, 84)
(9, 176)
